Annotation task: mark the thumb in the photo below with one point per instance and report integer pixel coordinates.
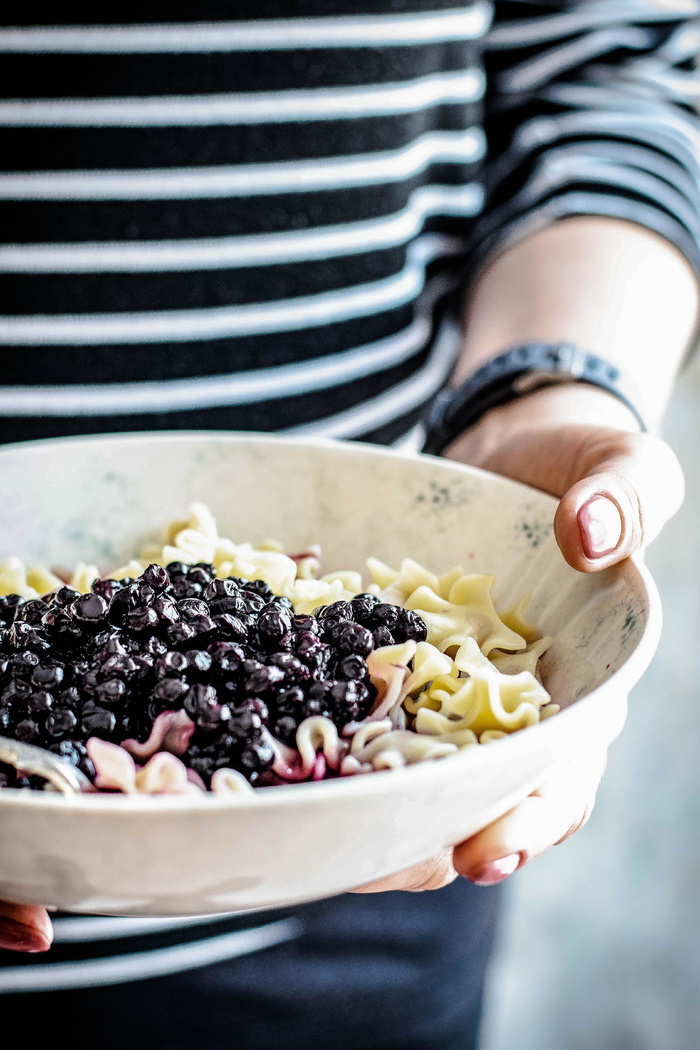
(629, 487)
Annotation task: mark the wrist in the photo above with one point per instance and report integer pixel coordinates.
(567, 404)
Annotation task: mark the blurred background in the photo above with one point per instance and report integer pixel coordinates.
(600, 947)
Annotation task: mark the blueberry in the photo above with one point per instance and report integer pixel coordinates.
(203, 707)
(176, 569)
(27, 731)
(172, 664)
(227, 657)
(382, 636)
(48, 676)
(9, 604)
(352, 668)
(142, 619)
(413, 626)
(220, 589)
(33, 611)
(273, 623)
(385, 615)
(156, 577)
(107, 588)
(198, 660)
(262, 679)
(349, 638)
(231, 628)
(190, 608)
(97, 721)
(363, 606)
(110, 692)
(260, 588)
(39, 702)
(64, 597)
(302, 622)
(171, 692)
(60, 722)
(89, 608)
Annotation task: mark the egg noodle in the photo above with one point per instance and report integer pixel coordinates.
(474, 680)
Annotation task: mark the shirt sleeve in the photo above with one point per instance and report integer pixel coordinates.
(592, 110)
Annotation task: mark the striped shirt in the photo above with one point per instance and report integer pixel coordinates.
(263, 223)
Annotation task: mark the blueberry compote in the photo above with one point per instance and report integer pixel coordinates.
(231, 654)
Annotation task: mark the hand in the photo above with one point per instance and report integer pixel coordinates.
(24, 928)
(618, 489)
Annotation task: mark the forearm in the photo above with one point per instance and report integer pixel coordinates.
(609, 286)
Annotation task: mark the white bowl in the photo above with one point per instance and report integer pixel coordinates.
(100, 499)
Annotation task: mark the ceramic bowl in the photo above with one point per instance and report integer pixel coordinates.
(100, 499)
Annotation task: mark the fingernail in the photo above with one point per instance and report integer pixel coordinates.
(498, 870)
(15, 936)
(600, 525)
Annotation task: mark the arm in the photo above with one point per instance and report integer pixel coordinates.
(624, 293)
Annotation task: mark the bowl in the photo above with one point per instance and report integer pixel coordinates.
(100, 499)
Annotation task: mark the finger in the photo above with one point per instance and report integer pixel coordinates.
(24, 928)
(548, 816)
(630, 488)
(432, 874)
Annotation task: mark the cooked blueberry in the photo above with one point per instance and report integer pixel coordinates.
(9, 605)
(221, 588)
(171, 691)
(352, 668)
(61, 721)
(48, 676)
(176, 569)
(273, 623)
(166, 610)
(385, 615)
(202, 573)
(32, 611)
(28, 731)
(259, 587)
(89, 608)
(198, 660)
(363, 606)
(227, 657)
(64, 597)
(107, 588)
(412, 626)
(172, 664)
(142, 619)
(110, 692)
(303, 622)
(349, 637)
(156, 577)
(39, 702)
(231, 628)
(97, 721)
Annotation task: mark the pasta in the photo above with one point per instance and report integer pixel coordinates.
(471, 681)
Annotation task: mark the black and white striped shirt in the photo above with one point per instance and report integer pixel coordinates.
(258, 221)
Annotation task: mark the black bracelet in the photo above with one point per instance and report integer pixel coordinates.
(514, 374)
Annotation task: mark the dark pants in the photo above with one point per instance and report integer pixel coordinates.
(397, 971)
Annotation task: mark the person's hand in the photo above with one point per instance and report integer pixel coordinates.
(24, 928)
(618, 488)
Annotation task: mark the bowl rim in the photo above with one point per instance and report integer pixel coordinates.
(285, 795)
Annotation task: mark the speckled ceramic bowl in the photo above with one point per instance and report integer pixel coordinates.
(101, 499)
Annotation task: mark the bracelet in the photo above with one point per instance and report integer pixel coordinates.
(514, 374)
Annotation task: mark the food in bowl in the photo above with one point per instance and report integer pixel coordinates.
(208, 665)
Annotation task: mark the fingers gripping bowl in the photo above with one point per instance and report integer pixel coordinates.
(102, 499)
